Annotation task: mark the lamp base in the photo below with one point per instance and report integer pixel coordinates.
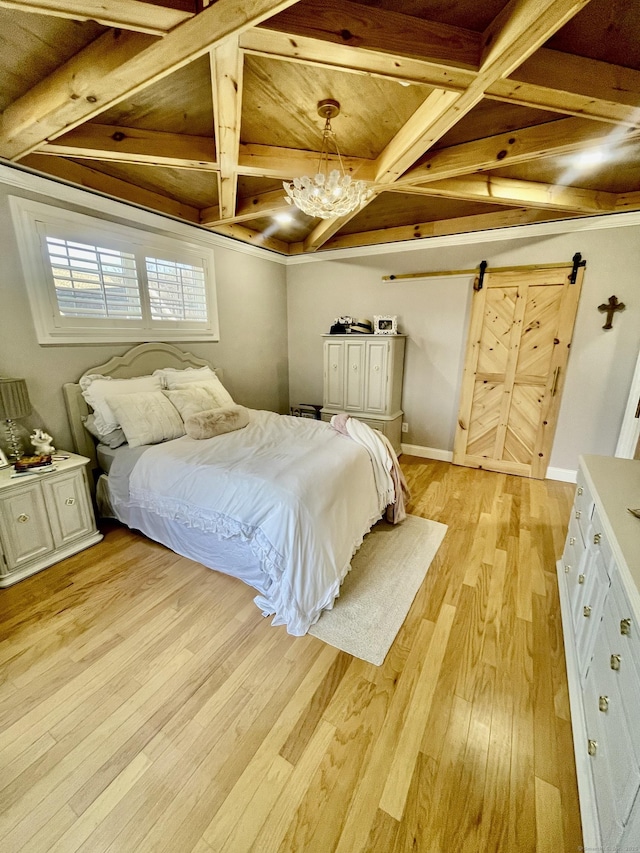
(16, 450)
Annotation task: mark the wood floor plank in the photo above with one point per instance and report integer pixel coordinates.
(146, 706)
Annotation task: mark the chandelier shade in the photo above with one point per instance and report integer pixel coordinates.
(330, 193)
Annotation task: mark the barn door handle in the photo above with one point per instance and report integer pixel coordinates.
(554, 387)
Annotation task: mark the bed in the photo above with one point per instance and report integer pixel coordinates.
(282, 503)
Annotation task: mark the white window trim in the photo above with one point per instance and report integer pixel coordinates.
(27, 215)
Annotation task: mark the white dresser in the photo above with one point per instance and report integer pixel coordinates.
(44, 518)
(363, 377)
(599, 584)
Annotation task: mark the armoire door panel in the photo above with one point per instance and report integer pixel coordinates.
(354, 376)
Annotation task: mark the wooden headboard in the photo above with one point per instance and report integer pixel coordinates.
(141, 360)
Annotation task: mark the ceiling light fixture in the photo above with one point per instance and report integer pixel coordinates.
(329, 193)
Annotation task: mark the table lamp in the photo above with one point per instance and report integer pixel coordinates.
(14, 403)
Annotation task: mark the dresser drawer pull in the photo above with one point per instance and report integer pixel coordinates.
(615, 662)
(567, 569)
(580, 578)
(70, 501)
(580, 490)
(603, 704)
(625, 627)
(572, 540)
(592, 746)
(377, 368)
(596, 538)
(354, 367)
(586, 611)
(23, 518)
(578, 513)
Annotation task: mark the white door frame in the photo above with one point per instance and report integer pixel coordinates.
(628, 440)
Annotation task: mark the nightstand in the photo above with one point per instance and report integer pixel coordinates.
(44, 518)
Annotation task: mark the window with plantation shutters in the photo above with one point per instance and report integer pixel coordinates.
(93, 280)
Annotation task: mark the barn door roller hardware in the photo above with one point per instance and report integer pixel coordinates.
(577, 262)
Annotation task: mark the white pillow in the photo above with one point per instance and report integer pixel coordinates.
(96, 389)
(191, 400)
(200, 377)
(112, 439)
(174, 376)
(147, 417)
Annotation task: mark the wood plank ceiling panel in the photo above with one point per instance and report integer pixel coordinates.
(179, 103)
(280, 107)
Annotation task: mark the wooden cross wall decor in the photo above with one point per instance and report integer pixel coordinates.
(611, 307)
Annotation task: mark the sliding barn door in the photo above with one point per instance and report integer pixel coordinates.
(521, 327)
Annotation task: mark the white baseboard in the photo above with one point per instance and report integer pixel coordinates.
(565, 475)
(427, 452)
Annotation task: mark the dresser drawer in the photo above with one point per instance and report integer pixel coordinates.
(623, 650)
(572, 560)
(604, 705)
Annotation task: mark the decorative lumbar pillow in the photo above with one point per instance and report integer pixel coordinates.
(96, 389)
(195, 377)
(112, 439)
(146, 418)
(191, 400)
(217, 421)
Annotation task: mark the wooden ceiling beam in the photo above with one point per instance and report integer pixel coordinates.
(134, 145)
(342, 22)
(268, 161)
(114, 67)
(226, 78)
(316, 52)
(521, 27)
(565, 136)
(499, 190)
(90, 179)
(255, 238)
(628, 201)
(441, 228)
(253, 207)
(122, 14)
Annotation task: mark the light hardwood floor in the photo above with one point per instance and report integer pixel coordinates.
(147, 706)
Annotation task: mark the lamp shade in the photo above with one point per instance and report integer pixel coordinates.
(14, 399)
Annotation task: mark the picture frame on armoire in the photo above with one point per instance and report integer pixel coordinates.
(385, 324)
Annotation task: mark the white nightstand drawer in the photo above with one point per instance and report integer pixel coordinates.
(69, 511)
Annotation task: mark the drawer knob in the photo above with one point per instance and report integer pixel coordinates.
(580, 578)
(580, 490)
(615, 662)
(70, 501)
(377, 368)
(603, 704)
(572, 540)
(567, 569)
(23, 518)
(596, 538)
(592, 746)
(334, 367)
(586, 611)
(578, 513)
(625, 627)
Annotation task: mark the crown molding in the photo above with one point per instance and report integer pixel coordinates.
(95, 203)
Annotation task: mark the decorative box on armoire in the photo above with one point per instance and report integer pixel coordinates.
(363, 377)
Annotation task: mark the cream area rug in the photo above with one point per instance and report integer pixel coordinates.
(376, 595)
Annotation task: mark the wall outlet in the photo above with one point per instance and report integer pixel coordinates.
(405, 426)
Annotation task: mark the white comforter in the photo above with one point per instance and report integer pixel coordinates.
(298, 493)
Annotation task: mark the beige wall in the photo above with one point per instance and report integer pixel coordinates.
(253, 331)
(434, 313)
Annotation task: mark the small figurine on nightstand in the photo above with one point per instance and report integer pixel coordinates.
(42, 442)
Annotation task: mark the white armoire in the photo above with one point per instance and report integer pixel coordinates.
(363, 377)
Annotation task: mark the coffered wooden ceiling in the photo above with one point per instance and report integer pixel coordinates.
(464, 115)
